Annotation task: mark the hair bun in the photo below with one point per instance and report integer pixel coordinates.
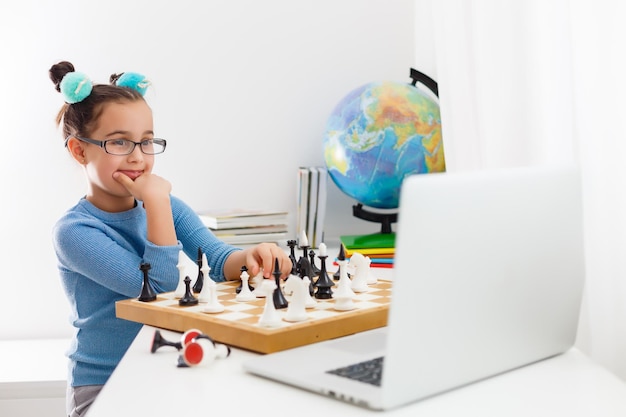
(133, 80)
(75, 87)
(58, 71)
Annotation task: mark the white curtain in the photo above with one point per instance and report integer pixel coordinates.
(528, 82)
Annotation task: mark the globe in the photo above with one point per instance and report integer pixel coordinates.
(379, 134)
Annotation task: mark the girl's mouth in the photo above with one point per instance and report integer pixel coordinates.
(132, 174)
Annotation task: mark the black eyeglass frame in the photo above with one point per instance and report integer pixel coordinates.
(102, 144)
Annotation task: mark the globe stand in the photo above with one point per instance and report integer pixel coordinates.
(385, 219)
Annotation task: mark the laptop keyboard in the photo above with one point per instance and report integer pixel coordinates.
(369, 371)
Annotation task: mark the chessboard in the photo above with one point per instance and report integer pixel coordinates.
(238, 324)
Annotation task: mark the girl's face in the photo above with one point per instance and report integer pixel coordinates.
(131, 121)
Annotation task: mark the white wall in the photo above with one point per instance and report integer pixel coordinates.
(242, 90)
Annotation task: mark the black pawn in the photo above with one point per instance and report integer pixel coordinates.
(340, 257)
(314, 269)
(238, 289)
(197, 287)
(278, 297)
(323, 283)
(304, 268)
(292, 256)
(147, 292)
(188, 299)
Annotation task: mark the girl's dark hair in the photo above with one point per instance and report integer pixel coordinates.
(80, 118)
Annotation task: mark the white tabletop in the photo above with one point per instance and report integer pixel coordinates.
(151, 384)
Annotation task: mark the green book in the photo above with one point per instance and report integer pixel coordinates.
(376, 240)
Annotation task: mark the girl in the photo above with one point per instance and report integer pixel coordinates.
(126, 218)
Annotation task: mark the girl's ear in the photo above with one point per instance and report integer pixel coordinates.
(77, 150)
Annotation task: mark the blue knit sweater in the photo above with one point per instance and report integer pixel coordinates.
(99, 254)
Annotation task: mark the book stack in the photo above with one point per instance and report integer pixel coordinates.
(311, 203)
(379, 247)
(247, 227)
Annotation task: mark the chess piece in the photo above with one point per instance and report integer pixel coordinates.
(323, 283)
(344, 294)
(147, 292)
(371, 278)
(292, 255)
(205, 293)
(245, 293)
(257, 283)
(343, 302)
(180, 289)
(270, 317)
(214, 305)
(304, 270)
(197, 287)
(314, 269)
(340, 256)
(159, 341)
(359, 276)
(250, 287)
(202, 350)
(188, 299)
(278, 297)
(304, 244)
(299, 289)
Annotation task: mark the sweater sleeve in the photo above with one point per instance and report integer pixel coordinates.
(111, 257)
(193, 234)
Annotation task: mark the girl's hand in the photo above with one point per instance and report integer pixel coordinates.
(146, 187)
(261, 256)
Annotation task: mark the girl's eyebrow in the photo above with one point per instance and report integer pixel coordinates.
(124, 132)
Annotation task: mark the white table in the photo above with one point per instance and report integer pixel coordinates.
(151, 384)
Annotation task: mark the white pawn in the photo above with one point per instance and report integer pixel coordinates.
(257, 283)
(245, 294)
(299, 288)
(213, 305)
(180, 289)
(343, 303)
(344, 286)
(371, 278)
(205, 292)
(270, 317)
(344, 294)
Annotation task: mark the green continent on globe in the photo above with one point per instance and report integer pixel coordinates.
(379, 134)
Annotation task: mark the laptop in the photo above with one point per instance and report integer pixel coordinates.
(488, 277)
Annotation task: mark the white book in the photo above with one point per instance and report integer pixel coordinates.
(231, 218)
(320, 216)
(312, 209)
(279, 238)
(302, 197)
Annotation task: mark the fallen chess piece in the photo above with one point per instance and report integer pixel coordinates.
(159, 341)
(196, 348)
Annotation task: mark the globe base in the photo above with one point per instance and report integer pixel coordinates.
(385, 219)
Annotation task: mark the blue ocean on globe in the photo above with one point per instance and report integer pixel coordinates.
(377, 135)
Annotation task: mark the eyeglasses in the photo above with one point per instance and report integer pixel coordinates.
(126, 147)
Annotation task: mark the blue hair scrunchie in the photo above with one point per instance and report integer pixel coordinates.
(133, 80)
(75, 87)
